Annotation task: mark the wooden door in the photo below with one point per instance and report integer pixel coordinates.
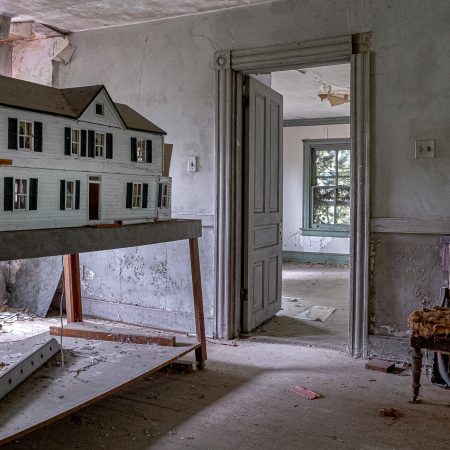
(263, 204)
(94, 201)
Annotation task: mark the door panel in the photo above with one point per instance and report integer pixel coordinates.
(94, 201)
(263, 204)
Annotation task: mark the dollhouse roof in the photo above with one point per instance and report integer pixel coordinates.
(71, 102)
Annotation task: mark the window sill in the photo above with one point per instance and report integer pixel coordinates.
(325, 233)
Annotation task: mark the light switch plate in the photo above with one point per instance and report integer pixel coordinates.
(192, 164)
(425, 148)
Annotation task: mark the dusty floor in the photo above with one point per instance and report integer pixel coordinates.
(304, 286)
(241, 401)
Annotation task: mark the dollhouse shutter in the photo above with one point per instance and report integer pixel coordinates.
(129, 195)
(77, 194)
(12, 134)
(109, 146)
(67, 133)
(32, 205)
(62, 195)
(83, 142)
(37, 137)
(149, 151)
(8, 193)
(133, 149)
(160, 195)
(144, 195)
(91, 143)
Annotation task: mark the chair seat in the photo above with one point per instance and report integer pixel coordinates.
(430, 322)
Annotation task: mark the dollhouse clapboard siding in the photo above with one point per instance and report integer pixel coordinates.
(51, 165)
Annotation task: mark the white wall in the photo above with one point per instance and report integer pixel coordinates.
(293, 240)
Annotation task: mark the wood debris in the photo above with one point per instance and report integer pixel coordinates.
(304, 392)
(390, 412)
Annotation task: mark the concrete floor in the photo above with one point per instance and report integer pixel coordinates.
(304, 286)
(241, 401)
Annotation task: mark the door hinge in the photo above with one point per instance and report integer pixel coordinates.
(244, 295)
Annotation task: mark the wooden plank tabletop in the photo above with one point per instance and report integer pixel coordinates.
(92, 370)
(62, 241)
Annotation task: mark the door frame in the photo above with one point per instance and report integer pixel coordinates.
(99, 204)
(230, 65)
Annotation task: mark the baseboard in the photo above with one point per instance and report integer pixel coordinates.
(317, 258)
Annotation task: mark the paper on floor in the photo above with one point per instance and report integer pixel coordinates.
(320, 313)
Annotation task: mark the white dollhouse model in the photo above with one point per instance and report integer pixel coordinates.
(73, 157)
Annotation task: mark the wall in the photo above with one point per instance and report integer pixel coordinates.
(293, 240)
(165, 70)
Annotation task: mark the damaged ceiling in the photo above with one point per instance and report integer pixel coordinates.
(77, 15)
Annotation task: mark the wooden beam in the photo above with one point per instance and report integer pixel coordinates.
(200, 353)
(72, 288)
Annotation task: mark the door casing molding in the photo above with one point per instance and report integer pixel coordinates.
(230, 65)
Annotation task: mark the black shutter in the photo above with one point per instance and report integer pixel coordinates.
(67, 140)
(62, 195)
(109, 146)
(83, 143)
(91, 143)
(32, 204)
(160, 195)
(12, 134)
(133, 149)
(8, 191)
(37, 137)
(149, 151)
(77, 194)
(144, 195)
(129, 195)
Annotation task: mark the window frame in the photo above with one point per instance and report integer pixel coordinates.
(68, 195)
(102, 106)
(102, 146)
(139, 196)
(72, 142)
(308, 229)
(26, 195)
(19, 135)
(144, 157)
(164, 195)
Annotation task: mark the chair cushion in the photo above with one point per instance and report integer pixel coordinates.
(430, 322)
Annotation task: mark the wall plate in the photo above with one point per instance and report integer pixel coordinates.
(424, 148)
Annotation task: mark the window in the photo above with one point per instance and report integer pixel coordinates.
(99, 109)
(326, 209)
(137, 195)
(164, 195)
(70, 195)
(141, 151)
(100, 145)
(75, 147)
(20, 194)
(25, 135)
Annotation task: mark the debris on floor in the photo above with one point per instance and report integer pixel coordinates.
(380, 366)
(3, 365)
(390, 412)
(300, 390)
(320, 313)
(291, 299)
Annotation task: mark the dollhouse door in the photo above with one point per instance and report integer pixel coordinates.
(94, 200)
(263, 208)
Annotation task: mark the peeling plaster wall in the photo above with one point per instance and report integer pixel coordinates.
(165, 70)
(293, 190)
(5, 60)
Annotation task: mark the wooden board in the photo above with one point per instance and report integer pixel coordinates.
(92, 370)
(102, 332)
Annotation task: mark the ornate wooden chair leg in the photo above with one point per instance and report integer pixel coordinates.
(417, 370)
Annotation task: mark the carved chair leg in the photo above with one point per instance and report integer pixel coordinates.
(417, 369)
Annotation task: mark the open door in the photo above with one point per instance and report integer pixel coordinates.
(263, 199)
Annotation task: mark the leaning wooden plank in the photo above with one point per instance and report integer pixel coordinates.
(100, 332)
(91, 372)
(27, 365)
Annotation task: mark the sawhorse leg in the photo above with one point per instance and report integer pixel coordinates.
(72, 288)
(416, 372)
(200, 353)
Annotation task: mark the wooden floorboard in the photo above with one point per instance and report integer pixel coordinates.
(92, 370)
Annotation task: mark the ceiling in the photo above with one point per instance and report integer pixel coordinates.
(300, 90)
(77, 15)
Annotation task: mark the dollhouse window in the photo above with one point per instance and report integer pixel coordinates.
(163, 195)
(70, 194)
(99, 109)
(137, 195)
(25, 135)
(75, 148)
(141, 150)
(100, 145)
(20, 194)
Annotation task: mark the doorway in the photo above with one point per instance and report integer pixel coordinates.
(94, 198)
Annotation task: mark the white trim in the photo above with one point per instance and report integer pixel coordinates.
(138, 196)
(73, 195)
(75, 142)
(102, 146)
(31, 136)
(27, 195)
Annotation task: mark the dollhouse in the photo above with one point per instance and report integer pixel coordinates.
(73, 157)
